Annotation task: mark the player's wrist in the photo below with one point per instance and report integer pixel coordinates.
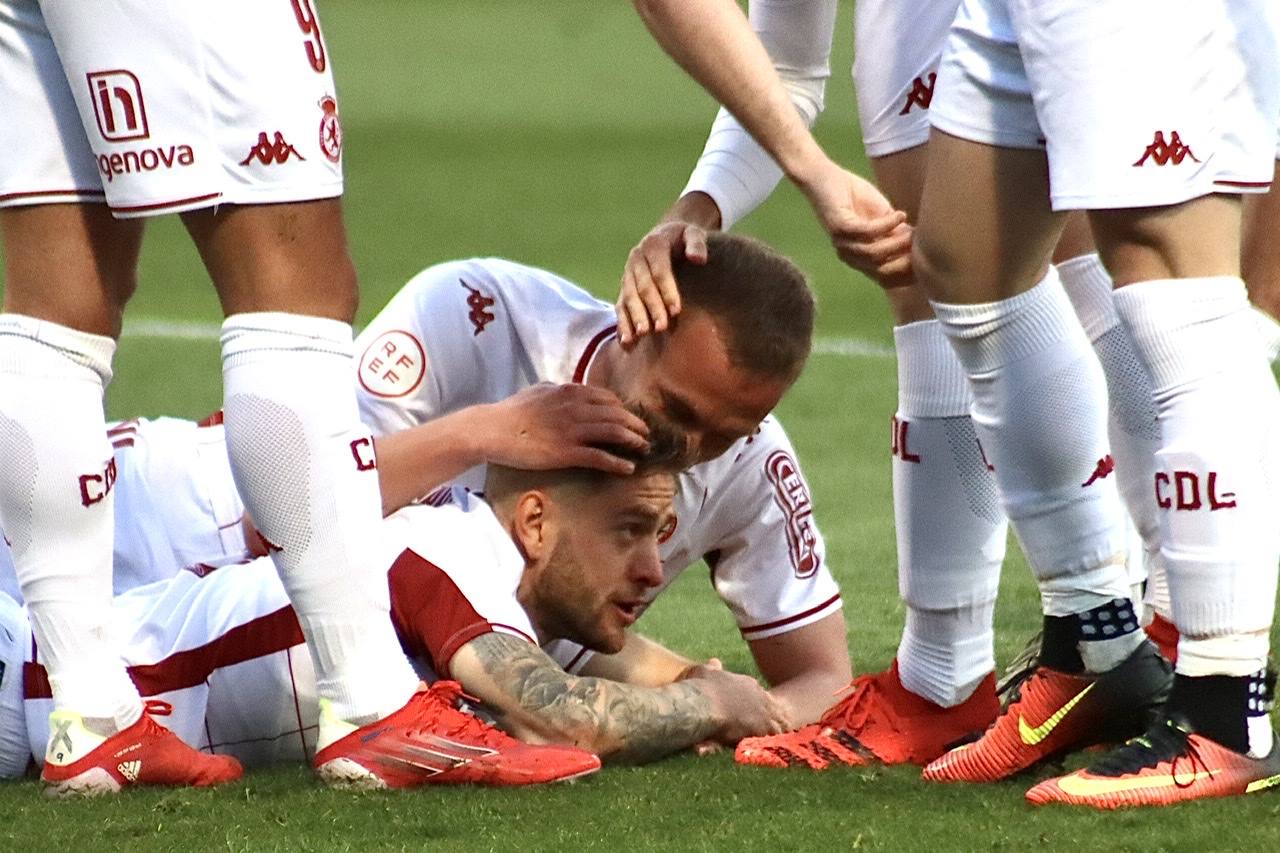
(811, 170)
(482, 434)
(695, 207)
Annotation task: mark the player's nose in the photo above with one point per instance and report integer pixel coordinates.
(646, 569)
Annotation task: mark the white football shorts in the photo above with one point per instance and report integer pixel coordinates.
(165, 107)
(1139, 103)
(897, 47)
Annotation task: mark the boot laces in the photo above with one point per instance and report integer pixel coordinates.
(1166, 742)
(445, 716)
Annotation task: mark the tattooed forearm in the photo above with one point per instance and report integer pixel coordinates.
(621, 722)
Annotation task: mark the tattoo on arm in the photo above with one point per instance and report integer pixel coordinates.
(622, 722)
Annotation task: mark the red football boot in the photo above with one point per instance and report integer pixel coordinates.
(430, 741)
(1169, 764)
(1054, 713)
(81, 763)
(880, 722)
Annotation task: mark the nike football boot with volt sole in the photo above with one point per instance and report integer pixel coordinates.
(1054, 713)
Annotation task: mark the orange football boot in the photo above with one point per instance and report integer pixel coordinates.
(432, 741)
(80, 763)
(1168, 764)
(879, 722)
(1055, 712)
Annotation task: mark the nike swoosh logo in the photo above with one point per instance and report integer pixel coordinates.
(1080, 786)
(1262, 784)
(1032, 736)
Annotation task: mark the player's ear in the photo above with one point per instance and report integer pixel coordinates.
(531, 525)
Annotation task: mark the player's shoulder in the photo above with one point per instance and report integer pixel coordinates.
(451, 525)
(482, 281)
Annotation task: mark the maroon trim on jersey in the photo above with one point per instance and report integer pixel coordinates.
(212, 421)
(576, 659)
(50, 193)
(778, 623)
(123, 434)
(431, 615)
(297, 709)
(256, 638)
(580, 372)
(164, 205)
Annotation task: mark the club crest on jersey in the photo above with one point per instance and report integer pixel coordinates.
(791, 494)
(480, 315)
(330, 129)
(393, 365)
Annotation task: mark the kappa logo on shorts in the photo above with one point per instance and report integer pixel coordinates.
(268, 151)
(921, 94)
(480, 315)
(330, 129)
(792, 496)
(118, 105)
(1163, 151)
(393, 365)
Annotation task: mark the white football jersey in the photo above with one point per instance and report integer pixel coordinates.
(478, 331)
(219, 657)
(472, 332)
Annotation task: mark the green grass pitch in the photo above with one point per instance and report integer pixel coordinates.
(555, 133)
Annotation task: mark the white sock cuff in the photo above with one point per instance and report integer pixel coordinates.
(1090, 289)
(276, 330)
(84, 349)
(991, 334)
(1269, 328)
(1237, 655)
(931, 381)
(1189, 327)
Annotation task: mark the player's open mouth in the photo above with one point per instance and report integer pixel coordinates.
(629, 610)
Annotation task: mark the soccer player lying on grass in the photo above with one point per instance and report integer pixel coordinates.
(483, 593)
(448, 380)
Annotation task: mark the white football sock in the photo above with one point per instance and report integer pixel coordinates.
(950, 527)
(950, 652)
(1217, 469)
(1269, 328)
(304, 465)
(1131, 423)
(1040, 411)
(56, 508)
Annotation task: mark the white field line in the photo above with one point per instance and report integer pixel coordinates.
(182, 330)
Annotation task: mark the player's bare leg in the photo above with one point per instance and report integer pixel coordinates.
(70, 269)
(983, 247)
(951, 534)
(1260, 265)
(305, 464)
(1183, 300)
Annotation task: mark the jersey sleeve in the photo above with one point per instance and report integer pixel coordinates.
(433, 349)
(769, 563)
(454, 583)
(734, 169)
